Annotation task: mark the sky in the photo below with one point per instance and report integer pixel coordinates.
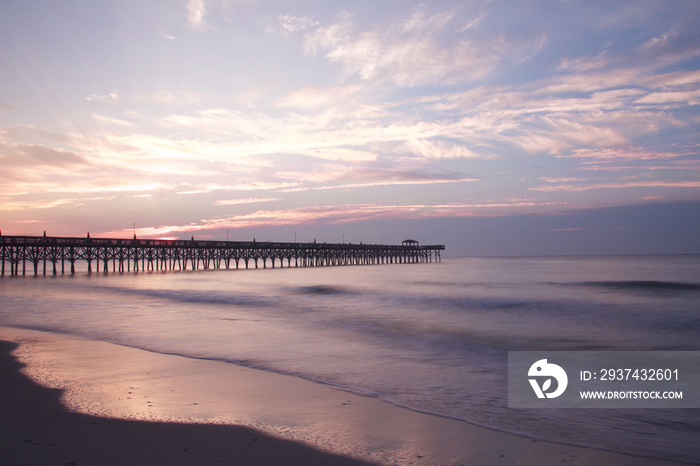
(519, 127)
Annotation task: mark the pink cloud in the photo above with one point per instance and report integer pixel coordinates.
(619, 185)
(626, 153)
(337, 214)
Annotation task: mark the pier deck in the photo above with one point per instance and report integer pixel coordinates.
(20, 255)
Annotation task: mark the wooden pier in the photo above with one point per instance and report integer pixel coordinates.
(36, 255)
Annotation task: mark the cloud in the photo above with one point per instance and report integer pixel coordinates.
(581, 64)
(674, 80)
(659, 41)
(39, 168)
(560, 180)
(111, 120)
(111, 98)
(568, 113)
(10, 204)
(381, 182)
(250, 186)
(195, 14)
(28, 156)
(290, 23)
(627, 153)
(407, 53)
(589, 82)
(678, 99)
(314, 98)
(338, 214)
(250, 200)
(119, 185)
(435, 149)
(620, 185)
(557, 135)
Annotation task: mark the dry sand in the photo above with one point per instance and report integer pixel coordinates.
(111, 404)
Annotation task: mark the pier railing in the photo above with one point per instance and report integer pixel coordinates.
(48, 255)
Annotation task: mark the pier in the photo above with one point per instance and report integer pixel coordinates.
(37, 255)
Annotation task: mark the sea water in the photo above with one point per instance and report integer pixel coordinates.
(429, 337)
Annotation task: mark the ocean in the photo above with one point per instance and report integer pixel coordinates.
(430, 337)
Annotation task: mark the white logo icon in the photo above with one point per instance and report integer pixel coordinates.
(542, 369)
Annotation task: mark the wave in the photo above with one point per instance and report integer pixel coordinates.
(320, 290)
(642, 285)
(471, 303)
(198, 296)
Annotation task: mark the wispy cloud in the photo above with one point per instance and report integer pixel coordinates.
(10, 204)
(33, 155)
(620, 185)
(250, 200)
(692, 166)
(112, 97)
(251, 186)
(399, 182)
(290, 23)
(625, 153)
(410, 52)
(337, 214)
(195, 14)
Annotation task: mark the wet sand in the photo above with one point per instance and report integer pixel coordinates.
(111, 404)
(36, 429)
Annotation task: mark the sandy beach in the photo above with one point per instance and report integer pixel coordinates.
(69, 400)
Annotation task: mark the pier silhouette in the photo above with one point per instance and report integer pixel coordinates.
(51, 254)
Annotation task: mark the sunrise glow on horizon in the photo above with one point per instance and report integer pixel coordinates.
(396, 119)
